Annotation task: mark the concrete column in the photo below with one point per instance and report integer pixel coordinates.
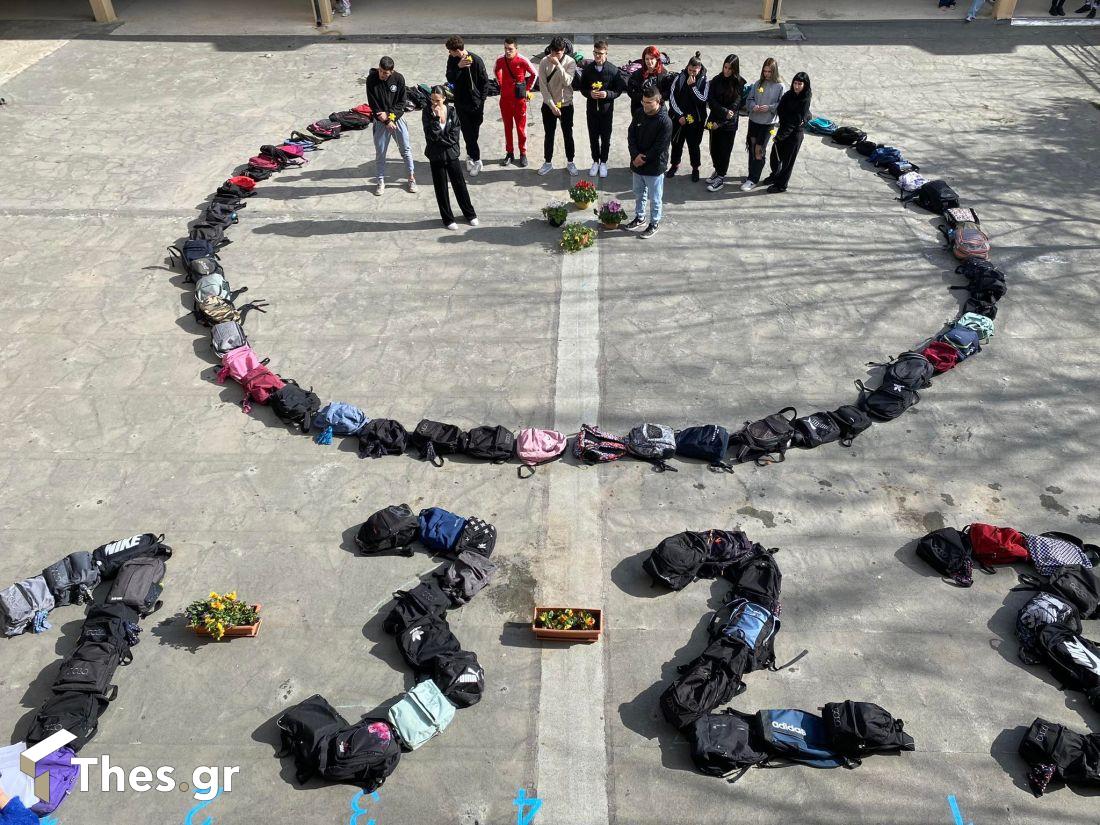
(1004, 9)
(103, 11)
(772, 11)
(544, 11)
(322, 12)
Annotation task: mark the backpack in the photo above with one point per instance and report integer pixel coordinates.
(325, 129)
(440, 529)
(413, 606)
(752, 625)
(799, 736)
(72, 580)
(966, 241)
(1041, 610)
(996, 545)
(852, 421)
(948, 552)
(460, 677)
(757, 578)
(88, 669)
(238, 363)
(422, 642)
(1053, 751)
(24, 604)
(1074, 583)
(196, 258)
(941, 355)
(709, 680)
(465, 577)
(895, 169)
(724, 742)
(886, 402)
(338, 418)
(725, 548)
(110, 557)
(857, 729)
(676, 561)
(911, 182)
(708, 442)
(138, 585)
(303, 729)
(477, 536)
(867, 147)
(259, 173)
(984, 281)
(381, 437)
(62, 777)
(820, 126)
(220, 213)
(115, 625)
(496, 444)
(226, 336)
(979, 307)
(535, 446)
(596, 446)
(884, 155)
(935, 196)
(423, 713)
(259, 385)
(911, 370)
(242, 182)
(77, 713)
(1053, 550)
(391, 528)
(814, 430)
(1073, 660)
(213, 233)
(364, 753)
(848, 135)
(654, 443)
(351, 119)
(760, 440)
(981, 324)
(435, 440)
(293, 405)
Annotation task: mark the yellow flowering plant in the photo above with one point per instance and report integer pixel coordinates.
(690, 118)
(393, 117)
(597, 86)
(218, 612)
(566, 619)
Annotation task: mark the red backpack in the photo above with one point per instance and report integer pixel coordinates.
(997, 545)
(942, 355)
(364, 109)
(259, 385)
(242, 181)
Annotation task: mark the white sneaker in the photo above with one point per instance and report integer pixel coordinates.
(469, 166)
(473, 167)
(603, 170)
(546, 168)
(572, 167)
(475, 222)
(345, 13)
(479, 166)
(451, 226)
(748, 186)
(594, 169)
(716, 183)
(380, 188)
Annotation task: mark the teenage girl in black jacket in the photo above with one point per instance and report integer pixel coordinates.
(726, 89)
(687, 104)
(793, 112)
(441, 130)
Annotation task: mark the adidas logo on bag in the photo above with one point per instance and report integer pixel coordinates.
(789, 728)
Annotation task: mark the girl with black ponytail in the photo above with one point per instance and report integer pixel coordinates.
(793, 111)
(687, 105)
(726, 89)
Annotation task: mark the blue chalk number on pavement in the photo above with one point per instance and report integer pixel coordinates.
(526, 808)
(357, 813)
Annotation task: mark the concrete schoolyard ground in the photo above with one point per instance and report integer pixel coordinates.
(742, 304)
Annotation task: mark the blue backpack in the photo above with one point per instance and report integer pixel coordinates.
(708, 442)
(966, 340)
(884, 156)
(800, 737)
(440, 529)
(338, 418)
(753, 625)
(820, 126)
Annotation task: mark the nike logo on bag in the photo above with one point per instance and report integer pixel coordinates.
(1083, 656)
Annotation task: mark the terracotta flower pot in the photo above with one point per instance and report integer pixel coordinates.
(568, 635)
(239, 630)
(583, 204)
(614, 225)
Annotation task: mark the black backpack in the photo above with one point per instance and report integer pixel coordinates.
(422, 643)
(296, 406)
(985, 282)
(412, 606)
(708, 442)
(391, 528)
(852, 421)
(364, 753)
(220, 213)
(1074, 756)
(111, 556)
(757, 578)
(910, 370)
(887, 401)
(722, 743)
(196, 258)
(212, 232)
(460, 677)
(435, 440)
(115, 625)
(935, 196)
(382, 437)
(857, 729)
(949, 553)
(78, 713)
(477, 536)
(816, 429)
(1075, 584)
(1073, 660)
(89, 669)
(762, 440)
(138, 585)
(496, 444)
(725, 548)
(749, 624)
(676, 561)
(866, 147)
(350, 119)
(980, 307)
(710, 680)
(848, 135)
(303, 730)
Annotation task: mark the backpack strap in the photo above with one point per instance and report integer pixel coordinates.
(234, 293)
(257, 305)
(774, 668)
(721, 467)
(660, 466)
(177, 257)
(522, 467)
(430, 454)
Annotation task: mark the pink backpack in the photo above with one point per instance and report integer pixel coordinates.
(535, 446)
(259, 385)
(261, 162)
(291, 149)
(238, 363)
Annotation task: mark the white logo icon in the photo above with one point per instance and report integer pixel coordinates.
(28, 761)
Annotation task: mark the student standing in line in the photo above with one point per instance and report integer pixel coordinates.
(556, 72)
(687, 101)
(725, 102)
(761, 105)
(441, 128)
(386, 96)
(793, 111)
(515, 75)
(467, 76)
(649, 138)
(651, 73)
(600, 83)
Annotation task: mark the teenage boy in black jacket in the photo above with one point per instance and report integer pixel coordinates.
(600, 83)
(649, 138)
(386, 96)
(467, 76)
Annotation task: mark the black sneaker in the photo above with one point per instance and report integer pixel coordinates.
(672, 171)
(508, 158)
(522, 161)
(695, 175)
(1082, 10)
(634, 224)
(650, 231)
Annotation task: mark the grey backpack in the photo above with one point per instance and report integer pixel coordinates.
(22, 601)
(213, 284)
(653, 442)
(423, 713)
(465, 577)
(138, 585)
(72, 580)
(226, 336)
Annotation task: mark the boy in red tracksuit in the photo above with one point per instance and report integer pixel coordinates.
(515, 75)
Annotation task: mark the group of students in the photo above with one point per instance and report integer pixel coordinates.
(668, 110)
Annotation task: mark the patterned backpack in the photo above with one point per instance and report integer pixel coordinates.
(595, 446)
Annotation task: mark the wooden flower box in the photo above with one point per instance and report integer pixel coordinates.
(568, 635)
(248, 630)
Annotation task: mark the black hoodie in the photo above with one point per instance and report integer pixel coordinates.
(686, 100)
(793, 109)
(386, 96)
(725, 97)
